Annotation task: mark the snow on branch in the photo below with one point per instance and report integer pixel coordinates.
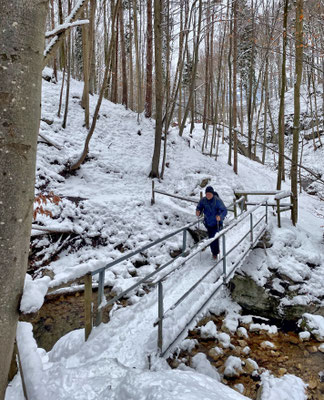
(55, 42)
(63, 27)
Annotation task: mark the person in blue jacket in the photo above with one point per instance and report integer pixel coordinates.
(214, 213)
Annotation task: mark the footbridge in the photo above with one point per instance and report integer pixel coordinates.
(185, 285)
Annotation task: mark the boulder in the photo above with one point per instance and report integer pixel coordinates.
(260, 300)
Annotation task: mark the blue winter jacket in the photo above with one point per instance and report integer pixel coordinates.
(212, 208)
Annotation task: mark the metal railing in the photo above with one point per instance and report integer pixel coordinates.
(177, 263)
(101, 271)
(101, 303)
(225, 273)
(278, 196)
(231, 207)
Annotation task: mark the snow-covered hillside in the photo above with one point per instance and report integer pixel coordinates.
(105, 207)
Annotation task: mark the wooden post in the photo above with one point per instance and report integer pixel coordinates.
(153, 195)
(278, 213)
(87, 305)
(245, 201)
(235, 207)
(201, 195)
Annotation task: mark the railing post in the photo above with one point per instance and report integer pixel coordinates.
(184, 242)
(153, 194)
(101, 285)
(224, 259)
(87, 304)
(245, 201)
(160, 317)
(251, 228)
(235, 208)
(266, 212)
(278, 213)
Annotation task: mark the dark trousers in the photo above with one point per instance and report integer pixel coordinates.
(212, 230)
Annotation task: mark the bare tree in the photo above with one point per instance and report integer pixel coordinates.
(299, 71)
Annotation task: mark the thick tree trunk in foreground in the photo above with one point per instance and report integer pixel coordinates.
(22, 44)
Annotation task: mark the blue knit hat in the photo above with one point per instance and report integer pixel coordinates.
(209, 189)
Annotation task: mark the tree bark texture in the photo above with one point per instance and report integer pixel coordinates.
(22, 44)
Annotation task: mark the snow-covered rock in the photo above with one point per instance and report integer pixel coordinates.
(224, 339)
(242, 332)
(233, 367)
(208, 331)
(215, 352)
(287, 387)
(267, 345)
(304, 336)
(314, 324)
(200, 363)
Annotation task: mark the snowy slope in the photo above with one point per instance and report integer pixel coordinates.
(113, 195)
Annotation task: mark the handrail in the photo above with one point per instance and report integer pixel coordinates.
(101, 271)
(147, 246)
(102, 303)
(224, 274)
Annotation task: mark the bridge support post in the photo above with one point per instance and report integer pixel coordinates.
(87, 305)
(101, 284)
(224, 259)
(160, 317)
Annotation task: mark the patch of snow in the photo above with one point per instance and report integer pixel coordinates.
(287, 387)
(34, 293)
(203, 366)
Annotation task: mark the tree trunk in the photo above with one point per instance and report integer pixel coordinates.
(85, 54)
(102, 90)
(22, 45)
(131, 72)
(281, 122)
(235, 166)
(158, 88)
(137, 61)
(149, 62)
(194, 72)
(68, 66)
(123, 58)
(299, 70)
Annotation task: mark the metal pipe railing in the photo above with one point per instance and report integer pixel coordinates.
(225, 273)
(185, 257)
